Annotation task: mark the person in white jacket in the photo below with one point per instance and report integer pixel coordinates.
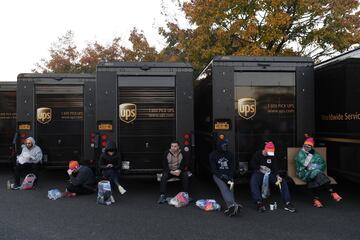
(27, 162)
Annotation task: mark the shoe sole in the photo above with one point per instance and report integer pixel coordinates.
(290, 210)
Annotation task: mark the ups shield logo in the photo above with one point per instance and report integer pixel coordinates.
(44, 115)
(246, 107)
(127, 112)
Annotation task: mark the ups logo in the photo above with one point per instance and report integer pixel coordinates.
(247, 107)
(44, 115)
(127, 112)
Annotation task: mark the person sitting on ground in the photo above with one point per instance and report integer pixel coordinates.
(265, 171)
(109, 165)
(310, 168)
(175, 164)
(222, 168)
(27, 162)
(82, 180)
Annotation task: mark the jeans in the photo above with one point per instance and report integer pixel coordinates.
(166, 175)
(112, 175)
(256, 183)
(23, 169)
(227, 195)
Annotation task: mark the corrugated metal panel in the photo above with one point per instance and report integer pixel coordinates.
(58, 89)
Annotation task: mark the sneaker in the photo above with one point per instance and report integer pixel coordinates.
(162, 199)
(317, 203)
(289, 207)
(121, 189)
(261, 207)
(232, 210)
(336, 197)
(13, 186)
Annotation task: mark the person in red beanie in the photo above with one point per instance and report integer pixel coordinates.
(265, 172)
(310, 168)
(82, 180)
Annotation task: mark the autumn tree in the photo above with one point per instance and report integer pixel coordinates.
(140, 50)
(63, 56)
(313, 28)
(66, 58)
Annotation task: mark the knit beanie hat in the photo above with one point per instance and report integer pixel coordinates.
(270, 148)
(309, 141)
(73, 164)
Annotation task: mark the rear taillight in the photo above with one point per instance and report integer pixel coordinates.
(92, 137)
(186, 139)
(103, 138)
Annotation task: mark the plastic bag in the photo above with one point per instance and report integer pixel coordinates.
(180, 200)
(54, 194)
(104, 193)
(28, 182)
(208, 205)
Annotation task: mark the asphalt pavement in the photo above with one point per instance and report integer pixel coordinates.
(136, 215)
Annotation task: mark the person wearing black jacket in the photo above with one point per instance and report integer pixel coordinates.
(175, 164)
(222, 168)
(109, 165)
(82, 180)
(265, 171)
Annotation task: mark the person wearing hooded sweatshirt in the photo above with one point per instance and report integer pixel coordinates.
(310, 167)
(265, 172)
(82, 180)
(109, 165)
(175, 164)
(222, 168)
(27, 162)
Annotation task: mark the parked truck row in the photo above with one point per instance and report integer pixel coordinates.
(143, 106)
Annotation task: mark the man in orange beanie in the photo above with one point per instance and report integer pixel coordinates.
(82, 180)
(265, 171)
(310, 167)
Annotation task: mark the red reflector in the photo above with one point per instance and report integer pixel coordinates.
(92, 140)
(103, 144)
(92, 135)
(187, 136)
(22, 135)
(186, 142)
(103, 137)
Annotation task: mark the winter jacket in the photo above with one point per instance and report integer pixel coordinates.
(34, 153)
(84, 177)
(184, 164)
(106, 159)
(317, 165)
(259, 159)
(222, 164)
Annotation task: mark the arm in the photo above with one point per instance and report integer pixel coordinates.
(102, 165)
(79, 179)
(37, 157)
(212, 163)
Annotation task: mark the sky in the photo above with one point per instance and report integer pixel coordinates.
(29, 27)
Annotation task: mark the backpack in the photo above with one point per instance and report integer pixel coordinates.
(28, 182)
